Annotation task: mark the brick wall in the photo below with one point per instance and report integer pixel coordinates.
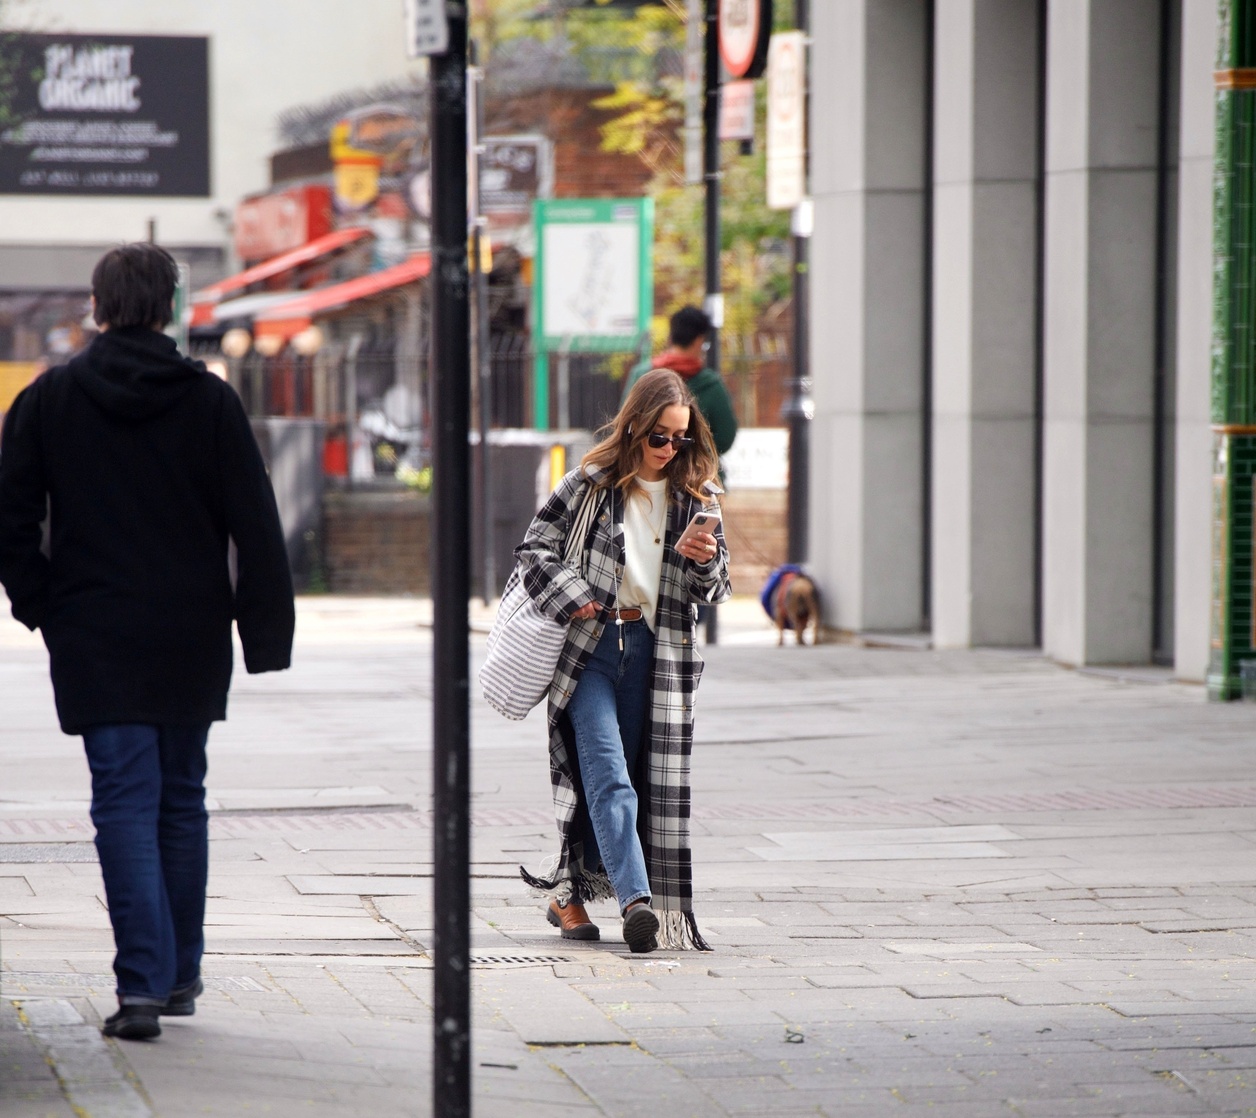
(377, 543)
(572, 123)
(756, 531)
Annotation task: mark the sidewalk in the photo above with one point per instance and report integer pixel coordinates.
(943, 884)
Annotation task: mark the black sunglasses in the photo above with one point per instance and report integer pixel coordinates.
(658, 440)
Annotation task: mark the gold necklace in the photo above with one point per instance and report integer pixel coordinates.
(658, 531)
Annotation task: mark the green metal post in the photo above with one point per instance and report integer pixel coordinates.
(540, 391)
(1234, 352)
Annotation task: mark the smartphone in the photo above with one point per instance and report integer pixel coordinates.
(702, 522)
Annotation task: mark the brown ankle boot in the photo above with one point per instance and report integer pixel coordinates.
(573, 920)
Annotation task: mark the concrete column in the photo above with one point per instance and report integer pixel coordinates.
(984, 297)
(1102, 112)
(1193, 509)
(867, 346)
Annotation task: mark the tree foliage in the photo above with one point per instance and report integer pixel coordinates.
(641, 54)
(645, 124)
(754, 260)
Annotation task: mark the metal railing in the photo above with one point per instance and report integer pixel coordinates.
(386, 392)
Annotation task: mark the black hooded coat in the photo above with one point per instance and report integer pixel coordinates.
(146, 467)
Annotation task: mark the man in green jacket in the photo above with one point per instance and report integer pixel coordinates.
(690, 329)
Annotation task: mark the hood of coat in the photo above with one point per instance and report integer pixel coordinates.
(681, 363)
(134, 374)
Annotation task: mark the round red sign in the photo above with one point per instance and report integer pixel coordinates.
(742, 37)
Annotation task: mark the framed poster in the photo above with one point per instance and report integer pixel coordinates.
(104, 114)
(594, 285)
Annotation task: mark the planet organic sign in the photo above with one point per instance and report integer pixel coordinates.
(104, 114)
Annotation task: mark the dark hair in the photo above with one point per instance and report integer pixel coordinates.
(620, 450)
(133, 285)
(688, 324)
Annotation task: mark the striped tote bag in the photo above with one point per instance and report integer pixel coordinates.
(524, 645)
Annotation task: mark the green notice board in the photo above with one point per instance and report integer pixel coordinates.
(594, 279)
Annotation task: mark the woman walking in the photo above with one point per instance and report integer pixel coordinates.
(621, 702)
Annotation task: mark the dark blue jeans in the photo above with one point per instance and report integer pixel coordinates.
(607, 713)
(152, 836)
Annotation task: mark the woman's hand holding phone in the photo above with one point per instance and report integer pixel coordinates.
(701, 547)
(697, 541)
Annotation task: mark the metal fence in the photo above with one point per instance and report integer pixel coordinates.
(380, 393)
(585, 388)
(757, 369)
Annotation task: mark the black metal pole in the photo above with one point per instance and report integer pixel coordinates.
(482, 358)
(799, 406)
(451, 578)
(711, 179)
(711, 176)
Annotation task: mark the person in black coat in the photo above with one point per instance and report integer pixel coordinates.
(126, 475)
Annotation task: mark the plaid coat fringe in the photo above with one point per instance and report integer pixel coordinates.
(662, 780)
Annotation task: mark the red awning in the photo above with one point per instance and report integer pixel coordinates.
(289, 318)
(277, 265)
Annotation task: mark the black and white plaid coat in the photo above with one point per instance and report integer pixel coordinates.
(662, 780)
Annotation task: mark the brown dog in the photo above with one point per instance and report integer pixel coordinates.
(797, 604)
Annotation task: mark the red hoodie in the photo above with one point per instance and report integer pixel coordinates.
(678, 363)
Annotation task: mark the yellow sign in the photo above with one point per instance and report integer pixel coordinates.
(558, 463)
(356, 174)
(14, 376)
(486, 253)
(357, 185)
(342, 151)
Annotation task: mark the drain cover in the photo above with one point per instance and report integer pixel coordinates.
(31, 853)
(518, 960)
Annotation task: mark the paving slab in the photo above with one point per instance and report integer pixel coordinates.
(968, 883)
(29, 1086)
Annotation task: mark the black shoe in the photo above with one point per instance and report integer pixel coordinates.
(182, 1003)
(640, 928)
(134, 1022)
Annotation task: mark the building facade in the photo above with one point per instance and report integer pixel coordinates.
(1011, 320)
(262, 58)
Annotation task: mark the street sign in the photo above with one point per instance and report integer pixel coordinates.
(514, 171)
(427, 27)
(694, 31)
(787, 131)
(594, 285)
(737, 111)
(745, 27)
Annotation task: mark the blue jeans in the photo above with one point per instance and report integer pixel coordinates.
(152, 836)
(608, 712)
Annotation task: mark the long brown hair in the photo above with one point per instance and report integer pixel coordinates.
(621, 446)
